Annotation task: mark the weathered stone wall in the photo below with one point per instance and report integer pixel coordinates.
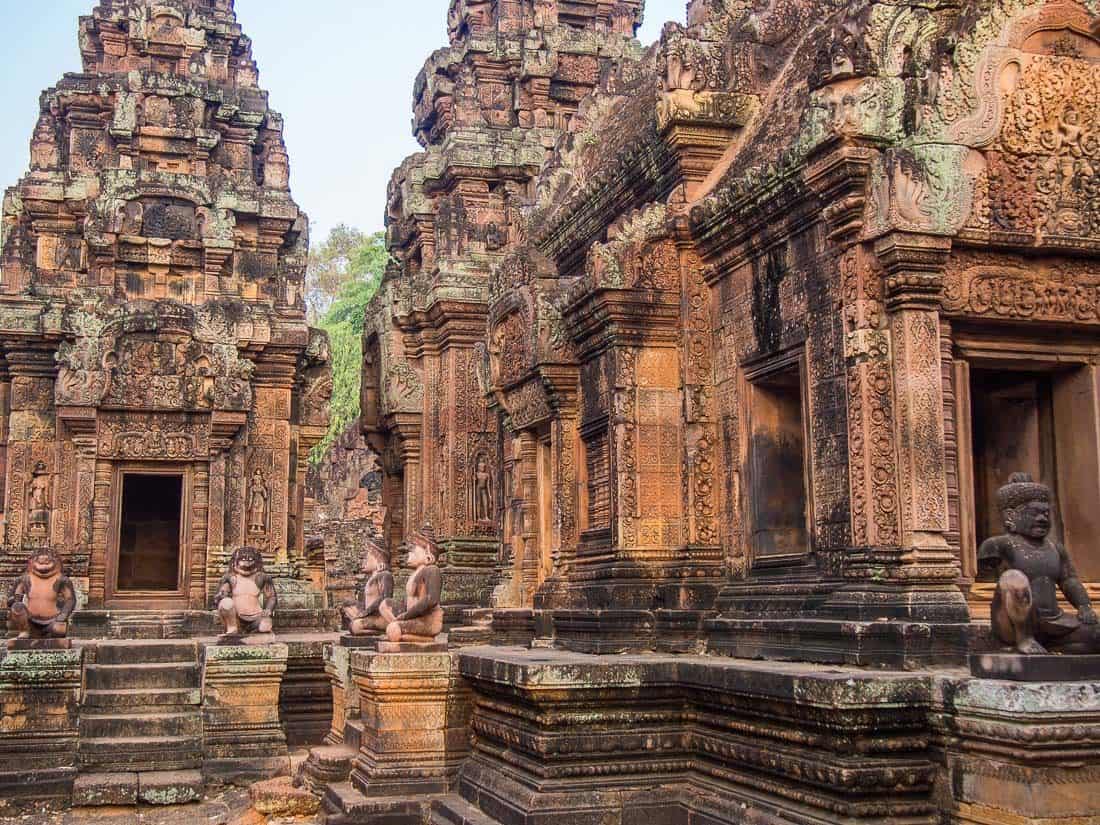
(346, 487)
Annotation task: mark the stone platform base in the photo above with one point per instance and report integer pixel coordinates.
(1015, 667)
(904, 645)
(40, 644)
(152, 721)
(150, 788)
(571, 739)
(188, 624)
(412, 647)
(360, 642)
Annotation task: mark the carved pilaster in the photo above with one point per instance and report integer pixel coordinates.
(527, 469)
(408, 428)
(914, 284)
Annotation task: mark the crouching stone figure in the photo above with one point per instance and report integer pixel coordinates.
(366, 619)
(42, 599)
(1031, 569)
(246, 600)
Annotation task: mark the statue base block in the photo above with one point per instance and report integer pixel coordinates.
(40, 644)
(360, 642)
(412, 647)
(1016, 667)
(246, 640)
(243, 736)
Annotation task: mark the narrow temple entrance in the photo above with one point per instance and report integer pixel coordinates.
(778, 465)
(150, 527)
(1033, 409)
(1013, 426)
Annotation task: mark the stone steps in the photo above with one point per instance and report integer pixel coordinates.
(129, 788)
(142, 711)
(343, 804)
(164, 652)
(454, 810)
(129, 753)
(152, 675)
(137, 698)
(171, 722)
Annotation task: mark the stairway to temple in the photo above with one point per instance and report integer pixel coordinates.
(454, 810)
(141, 710)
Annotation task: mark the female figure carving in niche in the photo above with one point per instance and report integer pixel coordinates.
(38, 505)
(257, 503)
(483, 490)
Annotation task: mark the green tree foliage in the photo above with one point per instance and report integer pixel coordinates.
(331, 266)
(362, 266)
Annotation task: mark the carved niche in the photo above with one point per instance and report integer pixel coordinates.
(483, 490)
(510, 348)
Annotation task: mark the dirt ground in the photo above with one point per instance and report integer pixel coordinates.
(224, 808)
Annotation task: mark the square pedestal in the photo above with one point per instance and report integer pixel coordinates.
(243, 737)
(1014, 667)
(39, 705)
(415, 713)
(1022, 753)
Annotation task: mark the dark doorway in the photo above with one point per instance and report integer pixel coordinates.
(149, 537)
(779, 503)
(1013, 426)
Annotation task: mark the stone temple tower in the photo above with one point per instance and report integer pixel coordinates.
(487, 110)
(160, 389)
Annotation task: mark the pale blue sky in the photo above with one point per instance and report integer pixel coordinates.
(340, 71)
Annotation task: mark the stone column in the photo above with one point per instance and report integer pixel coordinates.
(906, 568)
(242, 735)
(527, 468)
(408, 430)
(415, 711)
(5, 413)
(345, 704)
(32, 440)
(39, 705)
(270, 452)
(80, 425)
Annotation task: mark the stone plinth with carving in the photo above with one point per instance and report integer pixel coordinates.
(1019, 753)
(415, 711)
(40, 694)
(242, 734)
